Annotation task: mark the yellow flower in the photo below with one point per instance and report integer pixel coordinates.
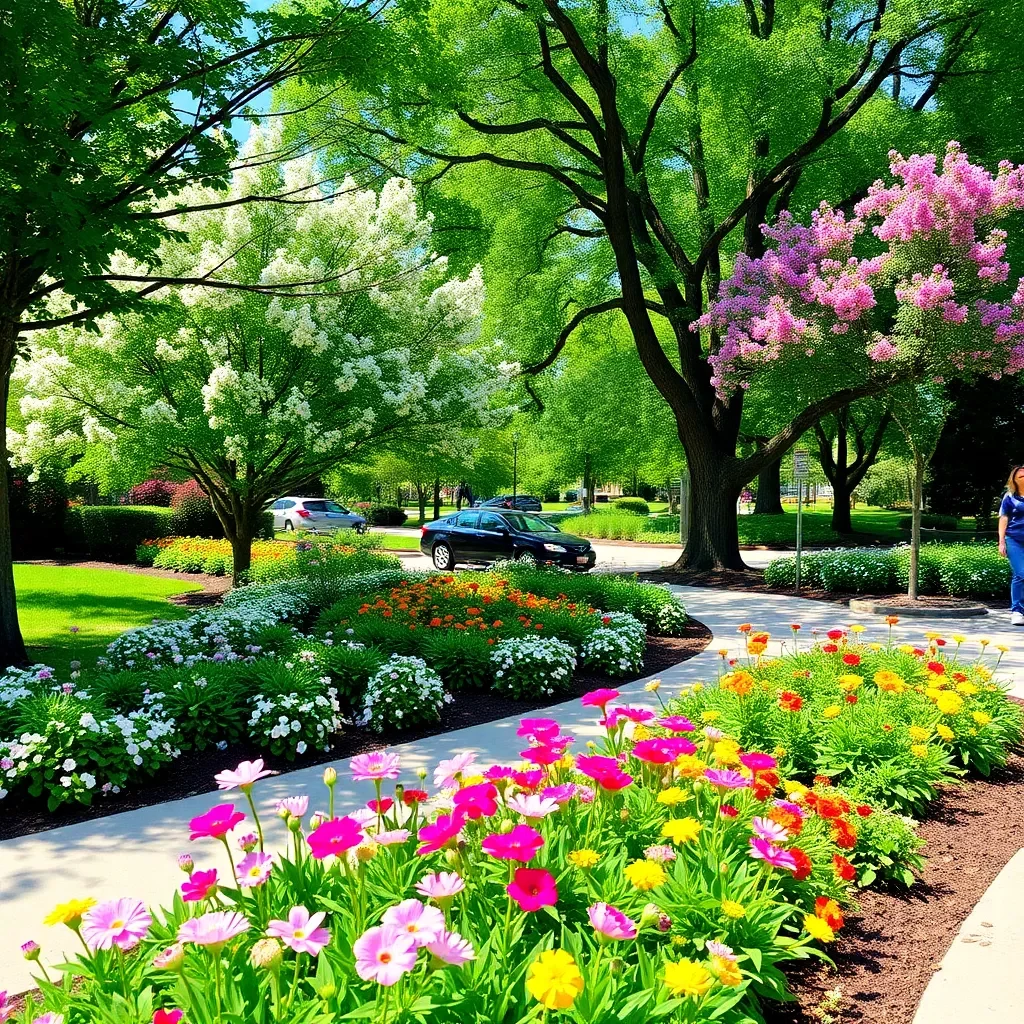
(727, 971)
(690, 767)
(687, 978)
(967, 689)
(645, 875)
(554, 980)
(723, 651)
(472, 780)
(653, 686)
(733, 909)
(932, 635)
(919, 750)
(568, 762)
(916, 733)
(875, 645)
(958, 638)
(818, 929)
(740, 683)
(69, 913)
(641, 732)
(779, 753)
(678, 940)
(710, 716)
(727, 752)
(671, 796)
(832, 711)
(794, 790)
(984, 641)
(944, 732)
(857, 628)
(981, 717)
(949, 703)
(905, 649)
(696, 688)
(889, 681)
(983, 673)
(584, 859)
(1003, 648)
(850, 682)
(681, 830)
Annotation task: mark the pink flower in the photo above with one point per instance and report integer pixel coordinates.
(121, 923)
(244, 777)
(521, 844)
(676, 723)
(538, 729)
(725, 778)
(720, 949)
(758, 762)
(528, 780)
(598, 698)
(49, 1018)
(475, 802)
(216, 822)
(773, 856)
(610, 924)
(441, 887)
(531, 806)
(302, 931)
(392, 838)
(213, 929)
(770, 831)
(168, 1016)
(451, 948)
(423, 923)
(596, 765)
(6, 1008)
(170, 959)
(662, 854)
(335, 837)
(254, 869)
(200, 886)
(296, 806)
(661, 750)
(560, 794)
(383, 954)
(637, 715)
(381, 806)
(532, 889)
(542, 755)
(448, 773)
(790, 807)
(375, 766)
(498, 772)
(441, 832)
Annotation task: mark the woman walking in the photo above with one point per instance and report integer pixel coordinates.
(1011, 541)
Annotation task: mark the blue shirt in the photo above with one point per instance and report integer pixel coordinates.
(1013, 508)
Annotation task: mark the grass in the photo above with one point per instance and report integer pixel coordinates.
(400, 542)
(102, 603)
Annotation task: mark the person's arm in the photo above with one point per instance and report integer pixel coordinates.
(1003, 522)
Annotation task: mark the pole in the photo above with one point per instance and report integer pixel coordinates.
(799, 531)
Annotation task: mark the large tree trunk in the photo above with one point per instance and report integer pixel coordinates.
(712, 542)
(12, 647)
(437, 497)
(241, 556)
(769, 500)
(841, 492)
(421, 497)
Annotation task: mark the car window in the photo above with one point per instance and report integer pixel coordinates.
(470, 519)
(333, 506)
(278, 504)
(529, 524)
(489, 521)
(284, 503)
(315, 506)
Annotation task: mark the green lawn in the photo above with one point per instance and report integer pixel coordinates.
(101, 602)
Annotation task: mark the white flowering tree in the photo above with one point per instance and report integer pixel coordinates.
(253, 392)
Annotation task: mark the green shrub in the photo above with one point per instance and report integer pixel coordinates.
(635, 506)
(782, 571)
(974, 570)
(207, 703)
(193, 514)
(350, 667)
(929, 568)
(460, 657)
(532, 666)
(929, 521)
(888, 848)
(385, 515)
(115, 531)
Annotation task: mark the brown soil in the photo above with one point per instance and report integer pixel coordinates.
(930, 601)
(193, 772)
(890, 948)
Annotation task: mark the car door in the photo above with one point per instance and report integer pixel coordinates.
(280, 510)
(465, 536)
(339, 515)
(494, 537)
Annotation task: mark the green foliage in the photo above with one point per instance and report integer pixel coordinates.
(461, 658)
(930, 521)
(115, 531)
(888, 849)
(385, 515)
(350, 667)
(636, 506)
(193, 513)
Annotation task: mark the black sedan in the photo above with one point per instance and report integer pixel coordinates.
(483, 535)
(519, 502)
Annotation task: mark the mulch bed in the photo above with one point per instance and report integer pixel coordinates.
(193, 772)
(890, 948)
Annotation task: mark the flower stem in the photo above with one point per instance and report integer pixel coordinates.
(255, 816)
(124, 977)
(216, 975)
(384, 1015)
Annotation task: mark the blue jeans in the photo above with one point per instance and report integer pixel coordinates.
(1015, 552)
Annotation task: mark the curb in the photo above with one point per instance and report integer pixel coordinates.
(882, 607)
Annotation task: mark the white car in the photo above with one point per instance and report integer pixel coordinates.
(317, 515)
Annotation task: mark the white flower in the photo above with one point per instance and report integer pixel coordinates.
(88, 780)
(300, 747)
(65, 781)
(69, 765)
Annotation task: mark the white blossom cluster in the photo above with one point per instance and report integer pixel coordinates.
(403, 692)
(532, 666)
(612, 652)
(291, 723)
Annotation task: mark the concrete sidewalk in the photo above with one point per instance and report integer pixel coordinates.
(134, 853)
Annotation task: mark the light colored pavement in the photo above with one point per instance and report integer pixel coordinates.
(134, 853)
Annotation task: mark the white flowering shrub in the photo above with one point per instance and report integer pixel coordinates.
(628, 626)
(403, 692)
(532, 666)
(289, 724)
(612, 652)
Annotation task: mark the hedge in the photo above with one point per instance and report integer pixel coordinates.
(115, 531)
(385, 515)
(930, 521)
(635, 506)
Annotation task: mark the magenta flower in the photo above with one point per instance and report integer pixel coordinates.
(244, 777)
(448, 772)
(610, 924)
(440, 833)
(423, 923)
(392, 838)
(661, 750)
(531, 806)
(770, 831)
(335, 837)
(215, 823)
(498, 772)
(375, 766)
(383, 954)
(122, 923)
(521, 844)
(790, 807)
(533, 889)
(530, 779)
(596, 765)
(441, 887)
(598, 698)
(296, 806)
(7, 1008)
(636, 715)
(773, 856)
(451, 948)
(725, 779)
(476, 802)
(543, 756)
(213, 930)
(302, 931)
(538, 729)
(200, 886)
(254, 869)
(49, 1018)
(758, 762)
(676, 723)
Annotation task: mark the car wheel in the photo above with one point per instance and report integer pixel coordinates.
(288, 528)
(526, 558)
(360, 528)
(443, 556)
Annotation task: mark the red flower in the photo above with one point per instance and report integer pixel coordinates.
(851, 659)
(843, 834)
(830, 807)
(795, 626)
(939, 642)
(918, 652)
(411, 797)
(829, 911)
(532, 889)
(863, 810)
(167, 1016)
(381, 806)
(835, 634)
(728, 811)
(804, 867)
(843, 868)
(887, 728)
(790, 701)
(745, 628)
(852, 698)
(830, 648)
(822, 780)
(937, 667)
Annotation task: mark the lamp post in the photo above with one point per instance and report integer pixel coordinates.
(515, 465)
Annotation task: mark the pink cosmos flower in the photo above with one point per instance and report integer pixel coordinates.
(790, 807)
(335, 837)
(383, 954)
(636, 715)
(422, 922)
(610, 924)
(521, 844)
(531, 806)
(392, 838)
(451, 948)
(302, 931)
(598, 698)
(168, 1016)
(532, 889)
(213, 929)
(725, 778)
(543, 756)
(296, 806)
(447, 772)
(121, 923)
(530, 779)
(770, 831)
(476, 802)
(758, 762)
(560, 794)
(498, 772)
(441, 887)
(6, 1008)
(254, 869)
(720, 949)
(375, 766)
(200, 886)
(441, 832)
(662, 854)
(773, 856)
(538, 729)
(216, 822)
(244, 777)
(676, 723)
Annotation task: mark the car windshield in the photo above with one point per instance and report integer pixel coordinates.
(529, 524)
(333, 506)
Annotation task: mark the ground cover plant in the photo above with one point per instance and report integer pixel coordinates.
(663, 874)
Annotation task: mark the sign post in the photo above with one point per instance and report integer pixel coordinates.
(801, 473)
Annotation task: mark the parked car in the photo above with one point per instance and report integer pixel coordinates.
(318, 515)
(485, 535)
(520, 502)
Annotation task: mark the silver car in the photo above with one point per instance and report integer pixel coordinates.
(317, 515)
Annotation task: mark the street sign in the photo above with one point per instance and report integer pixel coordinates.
(801, 467)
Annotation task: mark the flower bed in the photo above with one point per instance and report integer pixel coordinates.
(650, 879)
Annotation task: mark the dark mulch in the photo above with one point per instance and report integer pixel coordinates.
(891, 947)
(193, 772)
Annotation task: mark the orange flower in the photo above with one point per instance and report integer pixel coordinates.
(790, 701)
(740, 683)
(843, 834)
(829, 911)
(892, 619)
(745, 628)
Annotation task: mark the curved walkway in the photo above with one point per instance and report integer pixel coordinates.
(134, 853)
